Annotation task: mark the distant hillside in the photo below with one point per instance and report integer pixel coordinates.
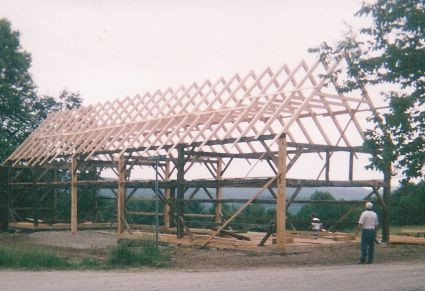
(240, 193)
(339, 193)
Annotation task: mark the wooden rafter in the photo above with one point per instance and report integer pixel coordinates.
(277, 102)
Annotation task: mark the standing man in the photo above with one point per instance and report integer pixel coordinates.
(367, 223)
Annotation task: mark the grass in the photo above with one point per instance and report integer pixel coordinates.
(31, 259)
(15, 255)
(145, 254)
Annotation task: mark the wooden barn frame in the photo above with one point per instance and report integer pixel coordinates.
(273, 118)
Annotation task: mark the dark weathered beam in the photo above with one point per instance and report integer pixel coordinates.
(180, 191)
(4, 197)
(237, 183)
(307, 148)
(273, 201)
(253, 156)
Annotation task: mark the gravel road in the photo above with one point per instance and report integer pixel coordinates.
(349, 277)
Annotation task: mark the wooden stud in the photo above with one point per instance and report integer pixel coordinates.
(351, 166)
(219, 194)
(4, 197)
(74, 196)
(281, 193)
(180, 191)
(167, 194)
(327, 165)
(121, 194)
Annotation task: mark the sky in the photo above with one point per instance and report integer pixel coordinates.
(108, 49)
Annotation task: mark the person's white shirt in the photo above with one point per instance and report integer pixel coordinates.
(368, 219)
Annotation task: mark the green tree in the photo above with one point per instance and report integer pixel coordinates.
(327, 213)
(391, 51)
(17, 90)
(408, 204)
(21, 109)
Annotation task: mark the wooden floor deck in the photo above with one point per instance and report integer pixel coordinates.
(230, 240)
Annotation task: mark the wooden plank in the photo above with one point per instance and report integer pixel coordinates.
(74, 196)
(180, 191)
(218, 194)
(121, 169)
(281, 192)
(167, 194)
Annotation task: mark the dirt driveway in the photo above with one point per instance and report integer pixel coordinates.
(400, 276)
(97, 245)
(397, 267)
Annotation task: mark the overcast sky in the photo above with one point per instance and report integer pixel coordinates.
(111, 49)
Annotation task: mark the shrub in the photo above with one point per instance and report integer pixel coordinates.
(91, 263)
(31, 259)
(144, 254)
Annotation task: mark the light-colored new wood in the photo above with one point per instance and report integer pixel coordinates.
(251, 105)
(219, 193)
(281, 193)
(74, 196)
(167, 195)
(121, 194)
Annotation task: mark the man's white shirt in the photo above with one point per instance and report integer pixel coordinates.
(368, 219)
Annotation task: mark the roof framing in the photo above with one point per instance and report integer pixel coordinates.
(297, 102)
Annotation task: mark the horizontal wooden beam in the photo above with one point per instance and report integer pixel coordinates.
(324, 148)
(273, 201)
(237, 183)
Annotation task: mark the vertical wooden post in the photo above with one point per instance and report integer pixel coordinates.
(281, 193)
(386, 199)
(121, 194)
(172, 207)
(35, 190)
(95, 206)
(74, 196)
(55, 198)
(350, 169)
(327, 167)
(219, 194)
(180, 191)
(167, 194)
(4, 198)
(92, 190)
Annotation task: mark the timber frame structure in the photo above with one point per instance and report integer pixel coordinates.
(274, 118)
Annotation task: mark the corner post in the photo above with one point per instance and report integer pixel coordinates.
(386, 199)
(4, 198)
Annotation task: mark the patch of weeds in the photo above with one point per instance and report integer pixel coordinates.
(31, 259)
(91, 263)
(145, 254)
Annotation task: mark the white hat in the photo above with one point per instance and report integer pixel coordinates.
(315, 219)
(369, 205)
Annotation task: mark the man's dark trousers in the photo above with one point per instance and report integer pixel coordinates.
(367, 245)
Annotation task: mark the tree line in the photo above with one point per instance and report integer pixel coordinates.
(389, 51)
